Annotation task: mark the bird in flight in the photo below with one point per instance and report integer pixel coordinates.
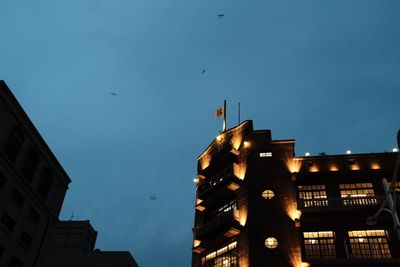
(113, 93)
(220, 16)
(203, 71)
(153, 197)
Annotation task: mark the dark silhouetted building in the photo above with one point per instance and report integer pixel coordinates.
(258, 205)
(33, 185)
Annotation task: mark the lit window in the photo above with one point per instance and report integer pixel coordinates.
(359, 194)
(312, 196)
(369, 244)
(223, 257)
(265, 154)
(231, 205)
(268, 194)
(319, 245)
(271, 242)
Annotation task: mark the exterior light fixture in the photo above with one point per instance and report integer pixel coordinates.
(246, 144)
(219, 138)
(395, 149)
(348, 152)
(195, 180)
(307, 154)
(296, 222)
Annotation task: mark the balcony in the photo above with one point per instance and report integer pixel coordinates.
(340, 203)
(226, 223)
(211, 185)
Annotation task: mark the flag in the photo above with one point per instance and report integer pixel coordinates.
(219, 113)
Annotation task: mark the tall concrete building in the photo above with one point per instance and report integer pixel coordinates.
(33, 185)
(257, 204)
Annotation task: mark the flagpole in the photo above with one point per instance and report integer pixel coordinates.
(224, 125)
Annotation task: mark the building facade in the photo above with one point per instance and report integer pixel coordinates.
(257, 204)
(33, 185)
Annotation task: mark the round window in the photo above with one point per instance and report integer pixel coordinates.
(271, 242)
(268, 194)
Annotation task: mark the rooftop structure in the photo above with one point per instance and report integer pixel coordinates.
(258, 204)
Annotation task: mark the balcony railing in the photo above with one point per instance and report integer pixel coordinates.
(340, 202)
(227, 219)
(211, 184)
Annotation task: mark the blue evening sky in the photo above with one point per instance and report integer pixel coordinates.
(326, 73)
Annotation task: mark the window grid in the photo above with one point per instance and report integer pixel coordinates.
(224, 257)
(369, 244)
(319, 245)
(359, 194)
(265, 154)
(313, 195)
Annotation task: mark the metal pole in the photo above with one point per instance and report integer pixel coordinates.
(224, 125)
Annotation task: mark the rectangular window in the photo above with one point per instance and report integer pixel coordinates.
(3, 181)
(18, 198)
(360, 194)
(265, 154)
(33, 216)
(26, 238)
(15, 262)
(30, 165)
(14, 144)
(231, 205)
(319, 245)
(1, 252)
(369, 244)
(223, 257)
(8, 222)
(312, 195)
(45, 184)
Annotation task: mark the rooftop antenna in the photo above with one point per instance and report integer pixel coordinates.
(389, 203)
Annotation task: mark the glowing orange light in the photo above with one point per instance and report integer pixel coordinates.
(375, 166)
(239, 170)
(355, 167)
(246, 144)
(243, 215)
(237, 136)
(196, 243)
(314, 169)
(220, 138)
(293, 164)
(205, 161)
(333, 168)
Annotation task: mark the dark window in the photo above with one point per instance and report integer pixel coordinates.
(15, 262)
(45, 184)
(3, 180)
(30, 165)
(18, 198)
(8, 222)
(1, 251)
(13, 144)
(33, 216)
(26, 238)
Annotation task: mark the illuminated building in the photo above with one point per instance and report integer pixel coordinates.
(33, 185)
(257, 204)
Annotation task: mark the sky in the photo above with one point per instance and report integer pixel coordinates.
(326, 73)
